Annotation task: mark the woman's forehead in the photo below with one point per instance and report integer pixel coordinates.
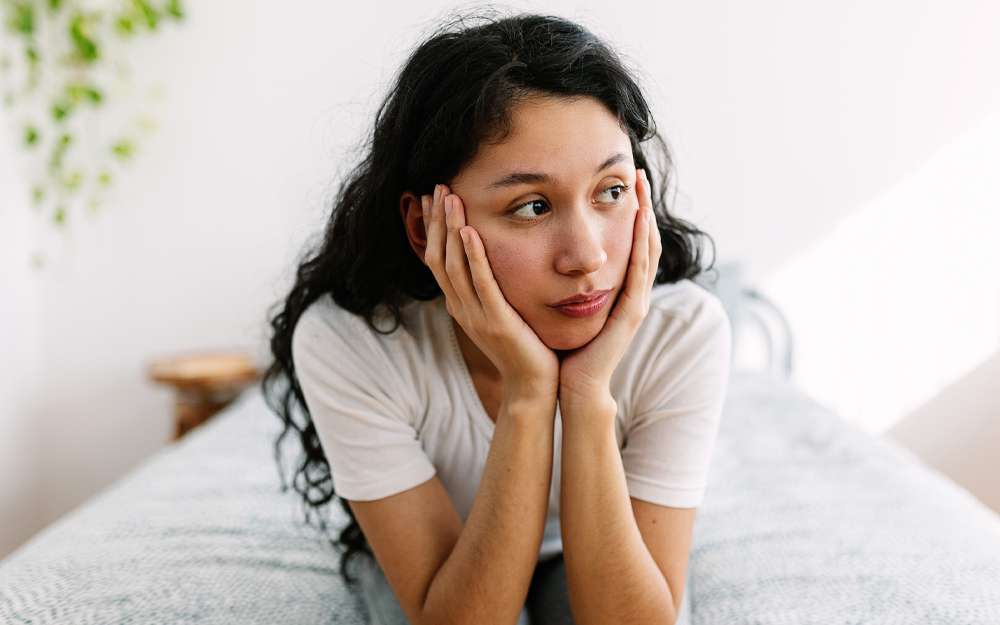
(551, 139)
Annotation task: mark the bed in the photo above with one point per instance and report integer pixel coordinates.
(807, 519)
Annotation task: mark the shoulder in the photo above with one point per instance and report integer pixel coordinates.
(327, 335)
(672, 389)
(688, 302)
(685, 335)
(324, 320)
(342, 363)
(682, 310)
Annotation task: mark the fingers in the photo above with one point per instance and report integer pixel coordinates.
(639, 267)
(444, 219)
(482, 276)
(642, 190)
(456, 263)
(436, 230)
(654, 244)
(634, 299)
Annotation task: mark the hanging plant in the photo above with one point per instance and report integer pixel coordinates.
(68, 84)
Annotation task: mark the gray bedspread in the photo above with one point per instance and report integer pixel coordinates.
(806, 520)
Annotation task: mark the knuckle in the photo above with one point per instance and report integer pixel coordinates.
(477, 283)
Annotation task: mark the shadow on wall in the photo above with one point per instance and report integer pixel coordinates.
(21, 494)
(958, 432)
(20, 361)
(903, 297)
(896, 313)
(78, 424)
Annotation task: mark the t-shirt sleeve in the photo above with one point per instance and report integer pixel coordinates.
(669, 440)
(358, 398)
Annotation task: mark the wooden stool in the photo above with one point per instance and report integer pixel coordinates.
(204, 384)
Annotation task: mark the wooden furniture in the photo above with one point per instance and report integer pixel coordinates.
(204, 384)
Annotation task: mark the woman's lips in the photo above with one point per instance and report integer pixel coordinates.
(586, 308)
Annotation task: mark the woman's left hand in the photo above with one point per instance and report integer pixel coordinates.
(585, 374)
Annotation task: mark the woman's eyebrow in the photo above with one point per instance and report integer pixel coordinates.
(614, 160)
(524, 177)
(519, 177)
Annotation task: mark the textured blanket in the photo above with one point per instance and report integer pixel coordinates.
(806, 520)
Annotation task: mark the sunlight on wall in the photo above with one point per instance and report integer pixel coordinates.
(903, 297)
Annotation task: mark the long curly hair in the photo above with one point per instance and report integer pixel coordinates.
(456, 90)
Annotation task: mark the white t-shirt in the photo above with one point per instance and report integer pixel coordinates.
(392, 411)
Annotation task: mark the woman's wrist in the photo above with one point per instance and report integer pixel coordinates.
(531, 403)
(592, 408)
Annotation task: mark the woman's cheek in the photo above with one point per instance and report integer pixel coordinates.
(618, 244)
(515, 269)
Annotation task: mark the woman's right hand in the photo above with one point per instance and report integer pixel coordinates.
(457, 257)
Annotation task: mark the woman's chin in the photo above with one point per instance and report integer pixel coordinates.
(568, 339)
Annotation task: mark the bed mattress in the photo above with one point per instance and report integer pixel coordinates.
(806, 519)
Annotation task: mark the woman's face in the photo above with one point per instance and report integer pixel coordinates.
(555, 206)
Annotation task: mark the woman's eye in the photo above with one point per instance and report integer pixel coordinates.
(534, 208)
(613, 193)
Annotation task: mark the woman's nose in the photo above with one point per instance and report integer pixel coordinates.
(580, 246)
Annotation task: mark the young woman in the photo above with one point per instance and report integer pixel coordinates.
(496, 358)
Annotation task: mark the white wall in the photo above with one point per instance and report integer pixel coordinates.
(896, 312)
(785, 117)
(902, 298)
(20, 481)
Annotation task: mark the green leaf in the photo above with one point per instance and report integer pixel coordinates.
(124, 149)
(104, 179)
(76, 93)
(148, 12)
(37, 195)
(59, 217)
(60, 110)
(30, 135)
(84, 47)
(124, 25)
(73, 180)
(55, 164)
(22, 18)
(174, 9)
(54, 5)
(32, 55)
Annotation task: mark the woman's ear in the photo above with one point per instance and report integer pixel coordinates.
(413, 221)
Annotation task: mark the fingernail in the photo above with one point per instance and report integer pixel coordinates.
(447, 206)
(642, 174)
(437, 194)
(465, 237)
(646, 213)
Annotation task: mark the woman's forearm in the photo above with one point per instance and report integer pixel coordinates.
(486, 577)
(611, 575)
